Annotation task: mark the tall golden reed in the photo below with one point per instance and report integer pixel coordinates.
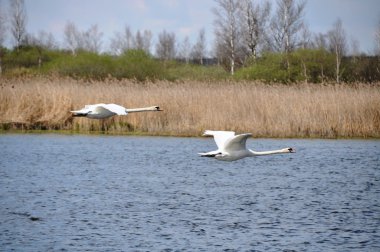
(190, 107)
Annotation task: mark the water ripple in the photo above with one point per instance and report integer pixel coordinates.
(105, 193)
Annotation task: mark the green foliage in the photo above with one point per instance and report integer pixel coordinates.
(23, 57)
(137, 64)
(26, 60)
(361, 69)
(304, 65)
(180, 71)
(83, 65)
(312, 65)
(271, 67)
(133, 64)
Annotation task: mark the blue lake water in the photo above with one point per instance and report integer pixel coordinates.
(124, 193)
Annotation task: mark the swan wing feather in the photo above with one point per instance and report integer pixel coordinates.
(220, 137)
(114, 108)
(237, 143)
(84, 111)
(87, 108)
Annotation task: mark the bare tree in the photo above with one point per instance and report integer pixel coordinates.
(143, 40)
(122, 42)
(285, 25)
(377, 39)
(338, 45)
(254, 21)
(199, 49)
(355, 49)
(165, 47)
(139, 42)
(45, 40)
(227, 31)
(92, 39)
(72, 37)
(377, 46)
(305, 37)
(147, 40)
(3, 30)
(319, 41)
(18, 21)
(184, 50)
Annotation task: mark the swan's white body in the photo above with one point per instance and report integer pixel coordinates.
(232, 147)
(102, 111)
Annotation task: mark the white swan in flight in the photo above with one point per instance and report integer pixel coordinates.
(102, 111)
(232, 147)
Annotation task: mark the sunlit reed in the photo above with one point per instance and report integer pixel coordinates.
(302, 110)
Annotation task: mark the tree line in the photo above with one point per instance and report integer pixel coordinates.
(253, 40)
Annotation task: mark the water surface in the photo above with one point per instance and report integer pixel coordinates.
(124, 193)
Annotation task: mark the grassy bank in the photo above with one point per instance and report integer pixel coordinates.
(309, 110)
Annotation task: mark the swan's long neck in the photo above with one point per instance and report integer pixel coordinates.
(263, 153)
(133, 110)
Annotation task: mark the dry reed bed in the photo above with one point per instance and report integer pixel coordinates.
(307, 110)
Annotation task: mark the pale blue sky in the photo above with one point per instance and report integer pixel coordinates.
(187, 17)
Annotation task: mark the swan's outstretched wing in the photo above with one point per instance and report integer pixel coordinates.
(84, 111)
(88, 108)
(237, 143)
(220, 137)
(114, 108)
(101, 110)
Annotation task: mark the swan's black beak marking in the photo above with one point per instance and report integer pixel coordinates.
(291, 150)
(158, 108)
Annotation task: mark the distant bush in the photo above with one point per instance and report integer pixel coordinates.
(269, 68)
(304, 65)
(24, 57)
(180, 71)
(83, 65)
(133, 64)
(312, 65)
(137, 64)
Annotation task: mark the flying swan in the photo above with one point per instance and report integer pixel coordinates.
(102, 111)
(232, 147)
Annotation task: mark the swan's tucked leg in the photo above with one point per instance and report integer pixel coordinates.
(210, 154)
(80, 114)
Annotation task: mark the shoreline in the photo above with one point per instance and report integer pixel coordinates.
(147, 134)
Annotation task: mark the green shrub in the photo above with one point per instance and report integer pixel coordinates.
(304, 65)
(181, 71)
(270, 67)
(84, 65)
(137, 64)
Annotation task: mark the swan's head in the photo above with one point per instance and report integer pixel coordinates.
(157, 108)
(290, 150)
(154, 108)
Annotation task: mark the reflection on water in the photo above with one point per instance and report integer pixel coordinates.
(118, 193)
